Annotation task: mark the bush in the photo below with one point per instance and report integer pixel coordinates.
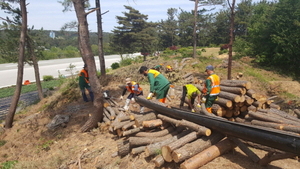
(223, 51)
(115, 65)
(48, 78)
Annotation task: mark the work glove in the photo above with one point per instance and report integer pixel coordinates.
(150, 95)
(121, 97)
(198, 105)
(193, 110)
(203, 100)
(132, 100)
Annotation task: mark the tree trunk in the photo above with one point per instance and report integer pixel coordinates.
(231, 35)
(31, 48)
(100, 38)
(195, 29)
(15, 99)
(88, 58)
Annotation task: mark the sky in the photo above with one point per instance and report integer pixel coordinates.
(47, 14)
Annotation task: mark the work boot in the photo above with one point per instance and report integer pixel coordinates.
(127, 102)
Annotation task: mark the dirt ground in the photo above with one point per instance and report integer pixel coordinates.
(35, 146)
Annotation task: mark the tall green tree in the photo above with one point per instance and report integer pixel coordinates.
(275, 42)
(168, 29)
(134, 33)
(23, 33)
(185, 32)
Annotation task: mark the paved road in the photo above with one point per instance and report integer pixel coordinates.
(8, 72)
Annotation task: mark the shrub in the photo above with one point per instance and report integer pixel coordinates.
(223, 51)
(47, 78)
(115, 65)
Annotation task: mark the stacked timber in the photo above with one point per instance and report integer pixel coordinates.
(165, 139)
(237, 97)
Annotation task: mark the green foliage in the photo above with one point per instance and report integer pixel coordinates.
(45, 145)
(223, 51)
(9, 91)
(47, 78)
(8, 164)
(2, 142)
(115, 65)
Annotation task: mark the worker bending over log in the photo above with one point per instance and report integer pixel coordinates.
(189, 94)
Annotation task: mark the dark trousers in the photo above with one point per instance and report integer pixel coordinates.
(84, 95)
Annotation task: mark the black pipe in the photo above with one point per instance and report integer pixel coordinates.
(269, 137)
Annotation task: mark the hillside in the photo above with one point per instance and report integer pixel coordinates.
(33, 145)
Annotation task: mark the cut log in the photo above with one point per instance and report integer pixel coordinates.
(138, 150)
(251, 93)
(245, 149)
(291, 128)
(275, 106)
(236, 83)
(193, 126)
(132, 131)
(152, 123)
(141, 141)
(111, 112)
(265, 117)
(195, 147)
(121, 124)
(252, 108)
(158, 161)
(257, 104)
(223, 102)
(235, 90)
(168, 149)
(297, 112)
(124, 118)
(283, 114)
(208, 154)
(230, 96)
(218, 110)
(156, 147)
(164, 132)
(128, 125)
(243, 98)
(145, 117)
(248, 100)
(123, 148)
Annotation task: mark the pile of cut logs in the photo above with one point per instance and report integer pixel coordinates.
(181, 141)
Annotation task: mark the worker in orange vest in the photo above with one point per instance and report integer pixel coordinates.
(211, 88)
(85, 84)
(135, 90)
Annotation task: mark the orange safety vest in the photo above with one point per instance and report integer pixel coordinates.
(215, 84)
(86, 75)
(131, 88)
